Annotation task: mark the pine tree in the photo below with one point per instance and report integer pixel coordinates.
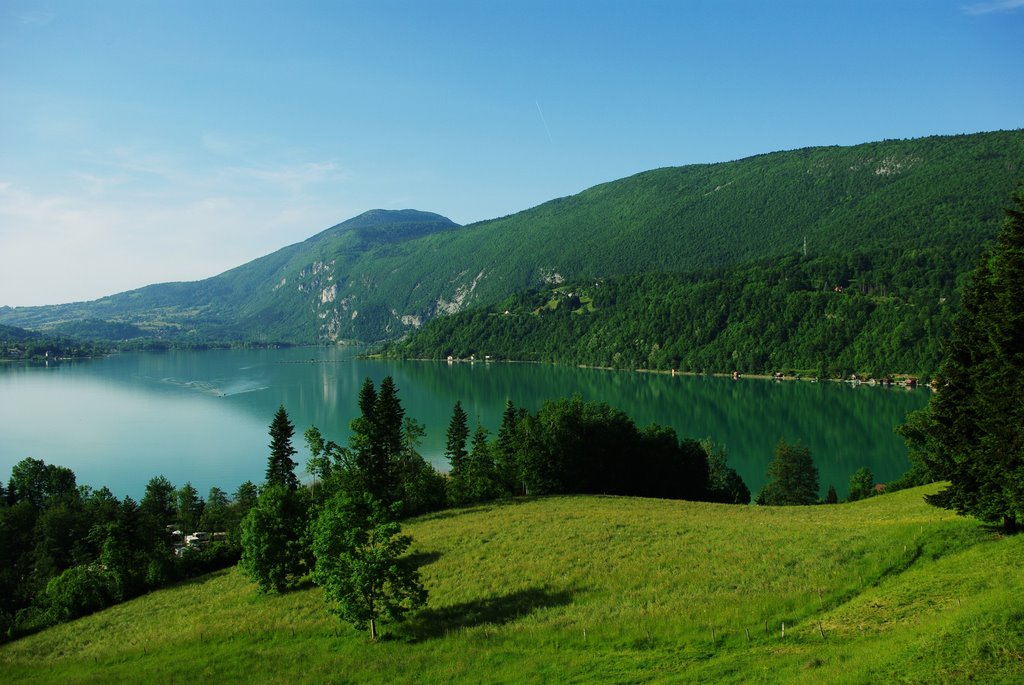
(377, 441)
(215, 513)
(280, 465)
(157, 508)
(189, 507)
(972, 431)
(832, 497)
(506, 466)
(390, 420)
(455, 450)
(480, 468)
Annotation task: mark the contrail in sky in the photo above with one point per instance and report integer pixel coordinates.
(543, 120)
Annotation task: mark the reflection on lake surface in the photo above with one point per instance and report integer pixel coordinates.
(204, 416)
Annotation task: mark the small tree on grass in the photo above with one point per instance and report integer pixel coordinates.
(862, 484)
(792, 477)
(832, 497)
(358, 549)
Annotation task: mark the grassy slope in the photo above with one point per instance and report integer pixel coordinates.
(591, 589)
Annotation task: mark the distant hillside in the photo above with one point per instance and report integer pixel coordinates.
(383, 274)
(296, 294)
(20, 344)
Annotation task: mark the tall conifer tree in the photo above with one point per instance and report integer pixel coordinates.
(455, 450)
(506, 466)
(972, 431)
(377, 440)
(280, 465)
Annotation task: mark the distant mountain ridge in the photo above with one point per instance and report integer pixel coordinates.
(286, 296)
(384, 273)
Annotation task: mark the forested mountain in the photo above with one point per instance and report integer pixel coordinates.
(873, 314)
(297, 294)
(910, 210)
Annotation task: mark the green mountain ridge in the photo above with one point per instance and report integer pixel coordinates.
(383, 274)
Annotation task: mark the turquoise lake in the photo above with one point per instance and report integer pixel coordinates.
(204, 416)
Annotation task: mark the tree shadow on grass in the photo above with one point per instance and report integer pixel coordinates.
(482, 507)
(420, 559)
(495, 611)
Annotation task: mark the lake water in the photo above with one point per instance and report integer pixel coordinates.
(204, 416)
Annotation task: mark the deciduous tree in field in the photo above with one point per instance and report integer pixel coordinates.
(792, 477)
(359, 562)
(862, 484)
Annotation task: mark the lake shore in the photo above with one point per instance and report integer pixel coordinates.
(908, 381)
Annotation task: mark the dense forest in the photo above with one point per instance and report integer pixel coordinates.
(70, 549)
(874, 314)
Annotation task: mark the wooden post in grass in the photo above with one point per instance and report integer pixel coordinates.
(821, 631)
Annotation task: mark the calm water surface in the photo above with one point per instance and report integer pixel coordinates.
(203, 416)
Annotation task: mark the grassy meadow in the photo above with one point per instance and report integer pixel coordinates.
(603, 589)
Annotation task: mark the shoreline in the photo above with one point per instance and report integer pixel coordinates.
(896, 380)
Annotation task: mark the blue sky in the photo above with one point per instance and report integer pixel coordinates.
(143, 142)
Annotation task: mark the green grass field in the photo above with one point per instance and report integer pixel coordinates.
(602, 589)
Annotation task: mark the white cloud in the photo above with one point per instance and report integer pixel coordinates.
(295, 178)
(40, 17)
(993, 6)
(97, 232)
(224, 145)
(98, 185)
